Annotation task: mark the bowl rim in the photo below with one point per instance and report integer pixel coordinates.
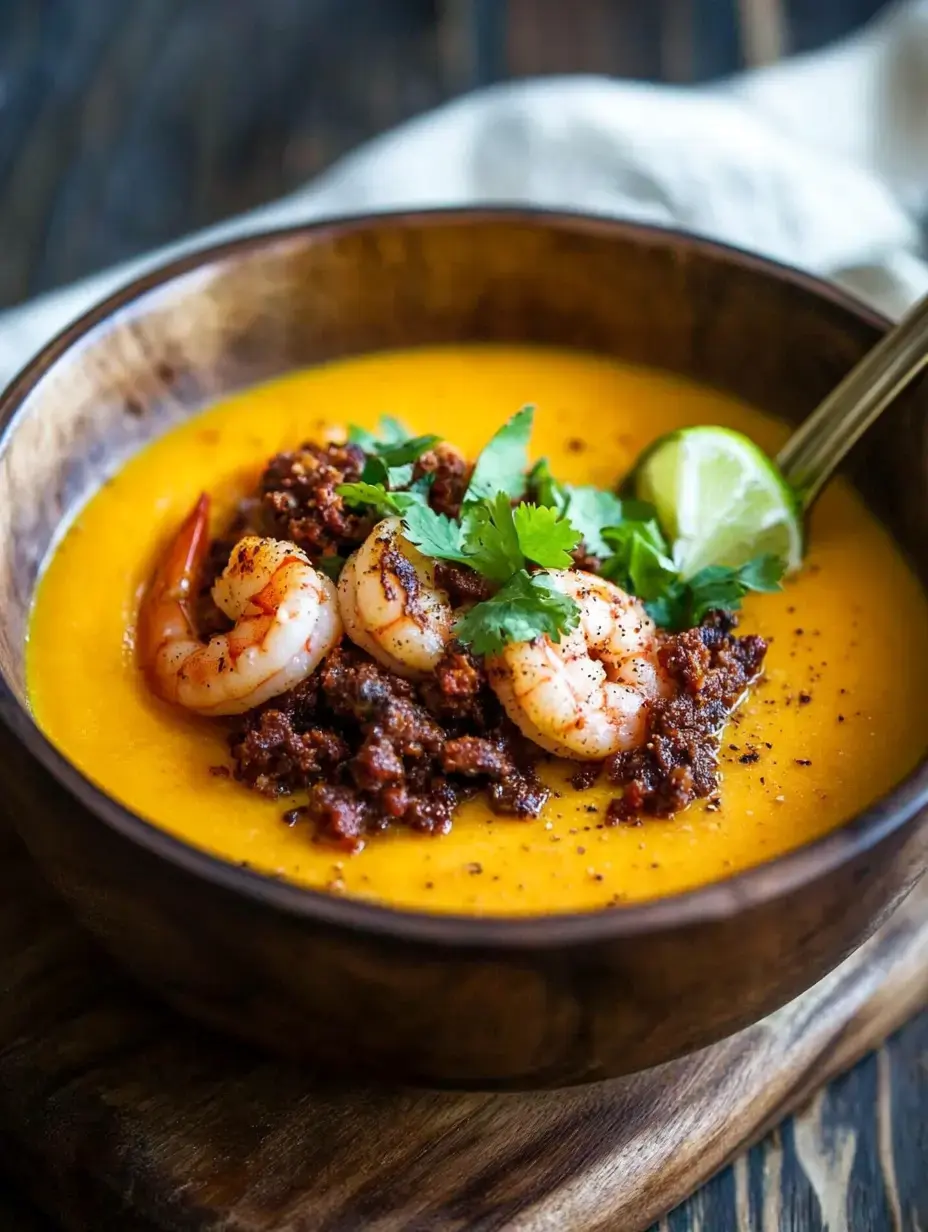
(717, 900)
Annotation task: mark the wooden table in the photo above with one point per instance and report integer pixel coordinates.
(124, 124)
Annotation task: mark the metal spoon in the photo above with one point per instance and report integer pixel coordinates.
(813, 452)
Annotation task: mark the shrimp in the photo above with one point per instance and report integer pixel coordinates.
(586, 696)
(391, 605)
(286, 616)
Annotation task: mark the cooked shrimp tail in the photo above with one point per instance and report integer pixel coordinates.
(285, 613)
(166, 611)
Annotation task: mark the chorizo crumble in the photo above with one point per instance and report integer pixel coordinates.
(678, 761)
(371, 750)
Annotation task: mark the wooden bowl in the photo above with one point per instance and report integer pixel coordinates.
(344, 984)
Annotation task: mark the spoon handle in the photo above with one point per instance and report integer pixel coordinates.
(815, 449)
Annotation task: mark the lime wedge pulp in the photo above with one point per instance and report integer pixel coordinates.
(719, 499)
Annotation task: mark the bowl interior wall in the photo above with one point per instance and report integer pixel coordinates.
(258, 311)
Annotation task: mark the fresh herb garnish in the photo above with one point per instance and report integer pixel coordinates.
(498, 542)
(503, 461)
(544, 536)
(390, 456)
(391, 432)
(640, 560)
(494, 538)
(491, 541)
(434, 534)
(546, 489)
(390, 504)
(500, 539)
(685, 604)
(526, 607)
(590, 510)
(641, 563)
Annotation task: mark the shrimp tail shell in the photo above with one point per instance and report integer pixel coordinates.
(166, 606)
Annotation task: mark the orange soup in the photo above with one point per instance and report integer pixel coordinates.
(834, 724)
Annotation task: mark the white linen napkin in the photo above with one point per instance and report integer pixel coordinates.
(820, 161)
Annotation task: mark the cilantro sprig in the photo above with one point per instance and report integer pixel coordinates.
(642, 563)
(500, 542)
(526, 607)
(494, 538)
(386, 483)
(391, 455)
(503, 462)
(685, 603)
(588, 509)
(383, 501)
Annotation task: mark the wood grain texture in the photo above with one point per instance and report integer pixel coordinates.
(119, 1115)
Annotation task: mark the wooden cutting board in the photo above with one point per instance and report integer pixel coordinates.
(115, 1114)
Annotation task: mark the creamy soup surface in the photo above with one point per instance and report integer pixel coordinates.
(836, 722)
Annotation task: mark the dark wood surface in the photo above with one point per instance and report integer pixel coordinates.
(119, 1117)
(122, 125)
(834, 1148)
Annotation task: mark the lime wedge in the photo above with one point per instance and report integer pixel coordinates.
(719, 499)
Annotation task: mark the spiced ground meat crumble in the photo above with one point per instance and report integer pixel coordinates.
(373, 750)
(678, 761)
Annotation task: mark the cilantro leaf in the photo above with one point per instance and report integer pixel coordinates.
(503, 461)
(391, 454)
(763, 574)
(528, 606)
(685, 604)
(389, 504)
(720, 587)
(490, 538)
(546, 489)
(392, 432)
(393, 464)
(544, 536)
(640, 562)
(590, 510)
(407, 451)
(499, 540)
(434, 534)
(366, 493)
